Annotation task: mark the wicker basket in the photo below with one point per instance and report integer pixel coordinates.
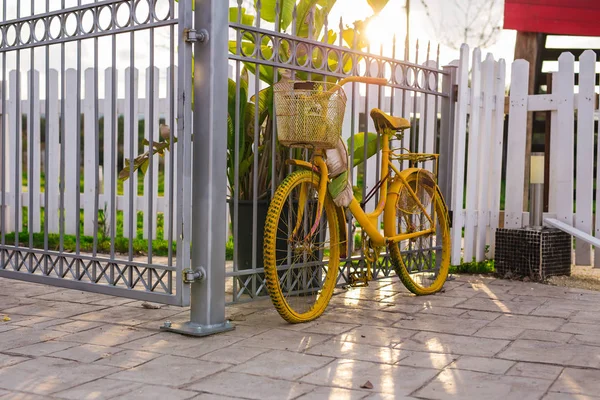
(309, 114)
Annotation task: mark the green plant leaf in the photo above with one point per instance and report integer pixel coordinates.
(377, 5)
(359, 147)
(267, 11)
(245, 19)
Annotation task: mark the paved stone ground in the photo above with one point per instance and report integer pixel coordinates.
(480, 339)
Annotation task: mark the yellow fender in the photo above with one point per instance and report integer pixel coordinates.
(389, 214)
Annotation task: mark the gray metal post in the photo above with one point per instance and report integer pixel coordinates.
(207, 314)
(447, 131)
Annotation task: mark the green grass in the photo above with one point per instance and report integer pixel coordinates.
(474, 267)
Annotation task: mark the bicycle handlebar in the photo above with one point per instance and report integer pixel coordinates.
(363, 79)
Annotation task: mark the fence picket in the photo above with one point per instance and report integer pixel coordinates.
(71, 131)
(89, 152)
(473, 158)
(52, 147)
(517, 132)
(13, 154)
(110, 158)
(130, 136)
(561, 161)
(487, 78)
(170, 115)
(496, 149)
(585, 153)
(460, 129)
(151, 136)
(33, 143)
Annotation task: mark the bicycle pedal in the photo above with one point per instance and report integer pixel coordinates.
(359, 279)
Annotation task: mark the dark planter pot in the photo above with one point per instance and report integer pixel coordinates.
(243, 257)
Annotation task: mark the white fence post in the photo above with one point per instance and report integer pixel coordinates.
(473, 158)
(72, 124)
(52, 147)
(131, 124)
(458, 181)
(496, 149)
(110, 131)
(151, 136)
(32, 109)
(89, 153)
(561, 146)
(485, 156)
(585, 153)
(171, 90)
(517, 132)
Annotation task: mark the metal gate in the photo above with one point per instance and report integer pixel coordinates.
(85, 87)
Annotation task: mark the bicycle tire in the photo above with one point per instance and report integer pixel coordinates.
(423, 184)
(295, 303)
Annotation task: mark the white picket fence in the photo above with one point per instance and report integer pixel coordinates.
(483, 102)
(88, 107)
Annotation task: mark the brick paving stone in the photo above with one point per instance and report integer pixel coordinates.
(361, 317)
(85, 353)
(99, 390)
(251, 386)
(41, 322)
(442, 324)
(506, 307)
(351, 374)
(357, 351)
(580, 329)
(187, 346)
(45, 375)
(567, 396)
(26, 336)
(153, 392)
(592, 340)
(76, 326)
(533, 370)
(586, 317)
(553, 353)
(527, 322)
(127, 315)
(453, 344)
(42, 349)
(578, 381)
(108, 335)
(22, 396)
(7, 360)
(333, 393)
(282, 339)
(210, 396)
(376, 335)
(487, 315)
(326, 328)
(546, 336)
(126, 358)
(170, 370)
(233, 354)
(481, 364)
(281, 364)
(458, 384)
(426, 360)
(495, 332)
(53, 309)
(442, 311)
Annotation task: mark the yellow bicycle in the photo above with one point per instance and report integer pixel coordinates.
(306, 231)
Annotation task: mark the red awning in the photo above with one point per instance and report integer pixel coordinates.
(560, 17)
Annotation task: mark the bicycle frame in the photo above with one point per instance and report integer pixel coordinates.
(369, 221)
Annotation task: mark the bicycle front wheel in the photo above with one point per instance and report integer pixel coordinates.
(301, 249)
(421, 263)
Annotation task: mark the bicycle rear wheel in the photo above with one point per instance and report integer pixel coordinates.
(301, 260)
(421, 263)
